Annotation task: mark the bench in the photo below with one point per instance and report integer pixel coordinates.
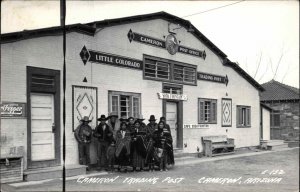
(217, 145)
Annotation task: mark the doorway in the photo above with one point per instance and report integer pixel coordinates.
(43, 123)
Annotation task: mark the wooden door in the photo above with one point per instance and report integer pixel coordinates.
(172, 120)
(42, 127)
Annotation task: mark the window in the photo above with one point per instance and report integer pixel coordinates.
(125, 104)
(169, 88)
(157, 69)
(275, 118)
(207, 112)
(184, 74)
(167, 70)
(243, 116)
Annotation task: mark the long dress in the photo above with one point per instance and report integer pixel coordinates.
(138, 148)
(123, 142)
(150, 128)
(163, 145)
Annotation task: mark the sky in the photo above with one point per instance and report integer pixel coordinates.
(261, 36)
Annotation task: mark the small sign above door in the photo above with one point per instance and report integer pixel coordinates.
(172, 96)
(13, 109)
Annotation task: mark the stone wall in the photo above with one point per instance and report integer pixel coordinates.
(289, 121)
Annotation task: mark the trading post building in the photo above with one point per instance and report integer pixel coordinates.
(149, 64)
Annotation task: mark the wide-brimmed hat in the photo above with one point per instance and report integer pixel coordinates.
(140, 118)
(85, 119)
(113, 114)
(152, 118)
(102, 117)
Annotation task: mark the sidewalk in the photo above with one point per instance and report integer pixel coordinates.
(181, 161)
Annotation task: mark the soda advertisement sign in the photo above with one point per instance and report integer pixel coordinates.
(13, 109)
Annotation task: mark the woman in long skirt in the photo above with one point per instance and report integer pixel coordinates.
(123, 139)
(138, 148)
(163, 145)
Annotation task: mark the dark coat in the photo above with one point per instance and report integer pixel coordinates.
(83, 134)
(103, 135)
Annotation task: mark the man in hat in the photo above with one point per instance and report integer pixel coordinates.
(104, 136)
(113, 123)
(141, 119)
(150, 128)
(83, 135)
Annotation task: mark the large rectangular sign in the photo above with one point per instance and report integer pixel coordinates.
(133, 36)
(13, 109)
(172, 96)
(111, 59)
(213, 78)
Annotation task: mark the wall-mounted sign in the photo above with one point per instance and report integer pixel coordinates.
(115, 60)
(170, 44)
(172, 96)
(85, 103)
(13, 109)
(195, 126)
(226, 112)
(213, 78)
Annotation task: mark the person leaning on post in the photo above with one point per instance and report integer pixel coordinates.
(104, 137)
(83, 135)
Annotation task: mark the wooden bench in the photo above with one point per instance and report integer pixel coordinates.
(217, 145)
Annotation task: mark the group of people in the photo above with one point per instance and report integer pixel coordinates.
(127, 144)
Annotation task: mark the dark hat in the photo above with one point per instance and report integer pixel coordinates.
(162, 118)
(140, 118)
(102, 117)
(85, 119)
(137, 121)
(152, 118)
(112, 114)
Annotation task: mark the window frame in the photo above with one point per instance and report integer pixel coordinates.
(272, 119)
(131, 96)
(171, 63)
(244, 117)
(215, 114)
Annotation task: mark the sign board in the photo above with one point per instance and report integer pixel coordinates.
(172, 96)
(195, 126)
(170, 44)
(213, 78)
(12, 109)
(85, 103)
(226, 112)
(107, 58)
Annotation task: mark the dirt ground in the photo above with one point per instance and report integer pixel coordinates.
(280, 170)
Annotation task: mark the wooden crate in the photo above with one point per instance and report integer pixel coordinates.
(11, 169)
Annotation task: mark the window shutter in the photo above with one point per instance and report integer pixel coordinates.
(114, 105)
(135, 106)
(201, 111)
(239, 116)
(213, 114)
(248, 115)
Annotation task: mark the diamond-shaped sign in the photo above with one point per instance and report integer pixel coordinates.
(85, 106)
(84, 54)
(130, 35)
(203, 55)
